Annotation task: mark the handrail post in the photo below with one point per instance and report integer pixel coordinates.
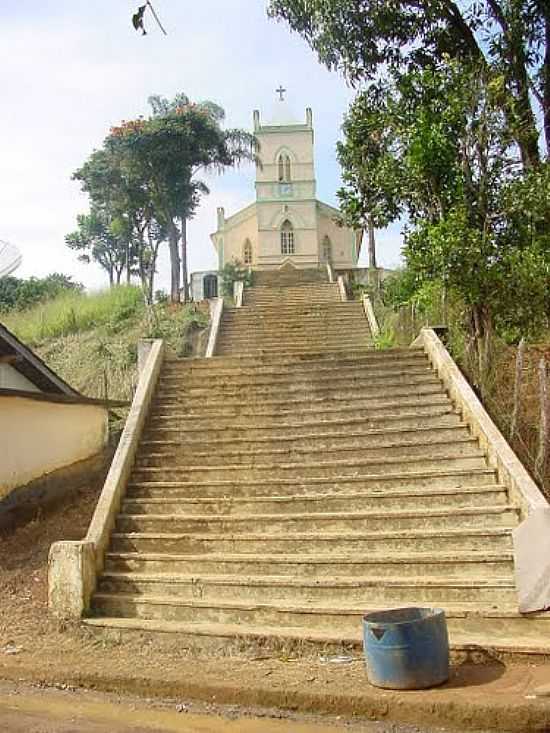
(238, 290)
(342, 288)
(371, 315)
(216, 311)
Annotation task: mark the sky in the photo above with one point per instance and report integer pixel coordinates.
(70, 69)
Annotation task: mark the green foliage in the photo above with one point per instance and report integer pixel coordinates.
(175, 326)
(370, 170)
(143, 186)
(400, 288)
(100, 238)
(367, 40)
(479, 224)
(233, 272)
(162, 157)
(72, 312)
(385, 339)
(17, 294)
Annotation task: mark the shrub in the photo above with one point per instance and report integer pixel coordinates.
(231, 273)
(20, 294)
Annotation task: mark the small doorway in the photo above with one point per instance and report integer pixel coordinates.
(210, 286)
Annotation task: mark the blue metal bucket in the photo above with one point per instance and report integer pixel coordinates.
(406, 648)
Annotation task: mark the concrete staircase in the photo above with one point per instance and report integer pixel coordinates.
(300, 478)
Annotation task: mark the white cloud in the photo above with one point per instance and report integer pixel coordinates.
(72, 69)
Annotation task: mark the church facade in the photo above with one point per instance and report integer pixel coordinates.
(287, 224)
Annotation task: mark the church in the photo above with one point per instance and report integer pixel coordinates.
(286, 225)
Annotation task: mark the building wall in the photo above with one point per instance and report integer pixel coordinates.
(236, 232)
(10, 378)
(40, 437)
(342, 240)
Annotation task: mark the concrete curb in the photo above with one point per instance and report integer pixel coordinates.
(446, 706)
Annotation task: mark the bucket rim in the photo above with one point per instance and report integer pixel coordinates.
(433, 612)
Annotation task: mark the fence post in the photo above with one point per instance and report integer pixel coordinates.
(544, 437)
(517, 389)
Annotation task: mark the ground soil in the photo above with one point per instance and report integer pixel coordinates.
(39, 709)
(38, 650)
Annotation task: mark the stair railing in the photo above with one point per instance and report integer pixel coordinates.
(238, 291)
(216, 311)
(371, 315)
(73, 567)
(342, 287)
(532, 536)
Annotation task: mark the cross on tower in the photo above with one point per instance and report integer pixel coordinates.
(280, 91)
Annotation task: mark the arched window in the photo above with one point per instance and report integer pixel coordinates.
(247, 252)
(326, 250)
(287, 238)
(284, 168)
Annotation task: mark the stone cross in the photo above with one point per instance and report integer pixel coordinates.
(280, 91)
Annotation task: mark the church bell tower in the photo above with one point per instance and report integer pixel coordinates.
(285, 189)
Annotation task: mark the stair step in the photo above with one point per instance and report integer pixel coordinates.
(459, 565)
(384, 590)
(473, 539)
(178, 425)
(190, 378)
(282, 348)
(176, 502)
(183, 387)
(456, 478)
(305, 438)
(448, 447)
(330, 360)
(336, 468)
(475, 516)
(400, 397)
(507, 632)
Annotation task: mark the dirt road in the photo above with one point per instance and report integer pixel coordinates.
(26, 709)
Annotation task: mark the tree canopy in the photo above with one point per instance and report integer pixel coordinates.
(367, 38)
(444, 135)
(145, 183)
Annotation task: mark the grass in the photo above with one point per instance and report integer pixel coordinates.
(71, 313)
(91, 339)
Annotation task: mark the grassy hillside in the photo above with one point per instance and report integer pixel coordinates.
(91, 339)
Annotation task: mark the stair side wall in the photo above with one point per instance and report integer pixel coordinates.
(73, 567)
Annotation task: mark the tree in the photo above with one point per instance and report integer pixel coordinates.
(123, 227)
(168, 151)
(16, 293)
(369, 170)
(368, 38)
(96, 242)
(442, 156)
